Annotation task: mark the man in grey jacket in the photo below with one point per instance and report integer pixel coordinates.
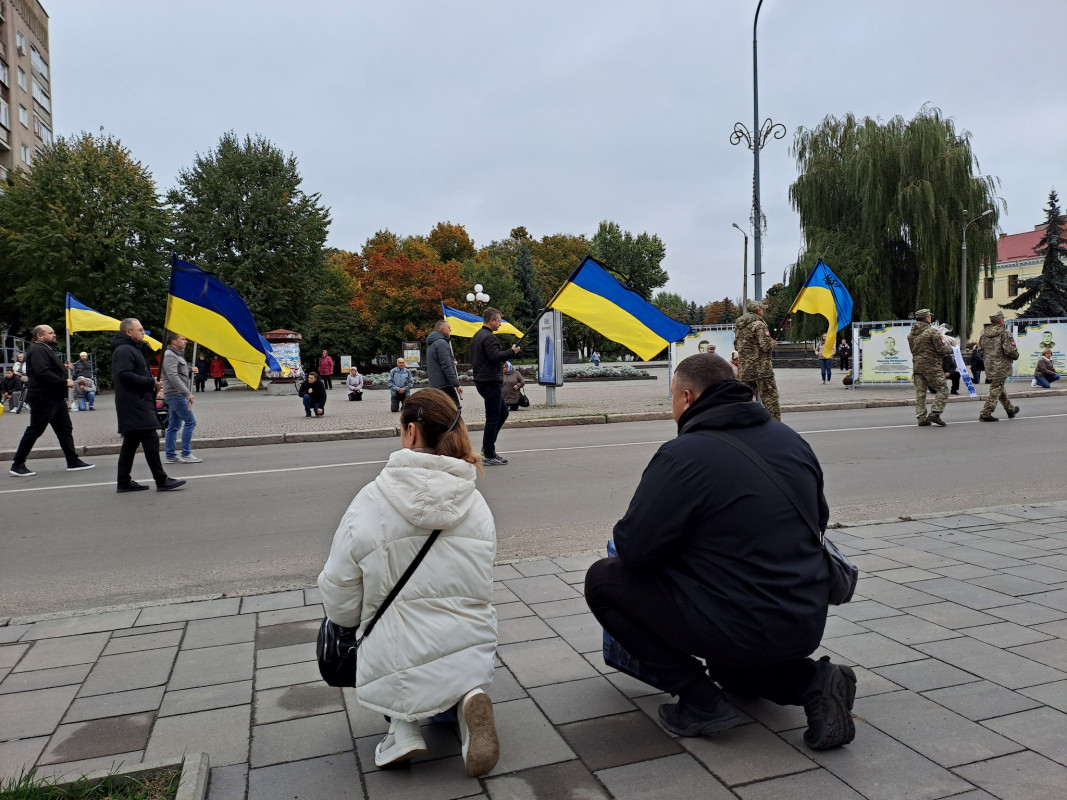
(178, 394)
(441, 363)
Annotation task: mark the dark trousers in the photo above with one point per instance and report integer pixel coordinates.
(451, 392)
(45, 411)
(496, 414)
(327, 381)
(200, 383)
(218, 384)
(147, 440)
(638, 608)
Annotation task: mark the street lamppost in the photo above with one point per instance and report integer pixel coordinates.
(744, 284)
(965, 331)
(756, 139)
(477, 295)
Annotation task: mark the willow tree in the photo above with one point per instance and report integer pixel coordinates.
(884, 205)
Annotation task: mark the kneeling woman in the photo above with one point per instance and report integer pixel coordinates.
(434, 646)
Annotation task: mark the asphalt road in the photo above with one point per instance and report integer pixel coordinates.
(262, 518)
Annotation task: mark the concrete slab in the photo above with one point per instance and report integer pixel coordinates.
(128, 671)
(80, 741)
(219, 631)
(208, 666)
(34, 713)
(313, 779)
(221, 733)
(114, 705)
(64, 652)
(297, 739)
(189, 611)
(206, 698)
(663, 779)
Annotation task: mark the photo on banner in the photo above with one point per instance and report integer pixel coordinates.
(884, 355)
(702, 340)
(413, 354)
(1034, 337)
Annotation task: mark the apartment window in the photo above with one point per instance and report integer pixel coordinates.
(20, 42)
(26, 157)
(41, 96)
(22, 80)
(988, 285)
(5, 114)
(4, 76)
(1013, 285)
(41, 130)
(39, 63)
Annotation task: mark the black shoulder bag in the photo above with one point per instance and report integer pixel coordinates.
(336, 646)
(844, 575)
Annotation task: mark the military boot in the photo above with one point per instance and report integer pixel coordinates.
(987, 418)
(1014, 410)
(935, 419)
(924, 422)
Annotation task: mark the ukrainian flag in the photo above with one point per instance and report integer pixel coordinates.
(466, 325)
(824, 294)
(82, 318)
(594, 297)
(203, 308)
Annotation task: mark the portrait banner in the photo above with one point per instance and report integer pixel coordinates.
(1032, 336)
(883, 355)
(718, 339)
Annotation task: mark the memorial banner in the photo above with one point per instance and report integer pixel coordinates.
(700, 340)
(884, 355)
(1032, 337)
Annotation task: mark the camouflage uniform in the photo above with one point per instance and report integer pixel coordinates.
(753, 343)
(998, 350)
(927, 350)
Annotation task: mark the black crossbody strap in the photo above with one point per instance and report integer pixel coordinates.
(769, 471)
(399, 585)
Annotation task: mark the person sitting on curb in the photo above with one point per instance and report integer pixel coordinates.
(1045, 372)
(314, 393)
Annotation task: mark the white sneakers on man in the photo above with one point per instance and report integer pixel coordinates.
(402, 743)
(477, 732)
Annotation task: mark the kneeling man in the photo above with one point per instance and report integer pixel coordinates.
(716, 563)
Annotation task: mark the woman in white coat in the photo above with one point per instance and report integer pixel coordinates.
(434, 647)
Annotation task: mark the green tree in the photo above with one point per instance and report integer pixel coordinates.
(332, 324)
(1045, 295)
(554, 259)
(531, 301)
(451, 242)
(776, 303)
(883, 204)
(634, 259)
(86, 220)
(240, 213)
(672, 305)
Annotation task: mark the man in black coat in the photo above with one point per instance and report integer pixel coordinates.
(487, 359)
(46, 394)
(715, 562)
(440, 363)
(135, 407)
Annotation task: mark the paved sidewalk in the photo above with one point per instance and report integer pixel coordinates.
(958, 634)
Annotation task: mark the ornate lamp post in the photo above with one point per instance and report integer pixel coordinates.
(965, 331)
(755, 140)
(744, 283)
(477, 296)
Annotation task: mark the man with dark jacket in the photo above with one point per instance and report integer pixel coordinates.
(135, 407)
(46, 394)
(313, 390)
(715, 562)
(487, 356)
(440, 363)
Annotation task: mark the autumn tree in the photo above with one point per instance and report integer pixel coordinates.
(555, 258)
(721, 312)
(451, 242)
(635, 260)
(1045, 295)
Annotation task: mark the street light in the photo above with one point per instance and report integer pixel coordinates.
(965, 331)
(744, 285)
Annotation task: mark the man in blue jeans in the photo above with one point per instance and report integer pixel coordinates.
(487, 358)
(178, 393)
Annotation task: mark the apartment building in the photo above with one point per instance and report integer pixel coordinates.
(1016, 261)
(25, 84)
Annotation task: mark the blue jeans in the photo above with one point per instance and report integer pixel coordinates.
(90, 396)
(180, 414)
(825, 365)
(496, 413)
(309, 405)
(1046, 383)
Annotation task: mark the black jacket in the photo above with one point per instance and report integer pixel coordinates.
(317, 390)
(744, 566)
(10, 385)
(487, 356)
(440, 368)
(48, 376)
(135, 388)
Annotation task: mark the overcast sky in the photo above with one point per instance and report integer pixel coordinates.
(557, 115)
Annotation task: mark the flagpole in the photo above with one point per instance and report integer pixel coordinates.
(70, 390)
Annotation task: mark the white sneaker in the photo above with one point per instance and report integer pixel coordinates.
(189, 459)
(170, 460)
(1033, 384)
(402, 743)
(477, 731)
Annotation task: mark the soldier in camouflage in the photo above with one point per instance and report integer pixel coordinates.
(927, 350)
(753, 343)
(998, 350)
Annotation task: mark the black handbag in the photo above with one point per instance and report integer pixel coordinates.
(844, 575)
(336, 646)
(524, 401)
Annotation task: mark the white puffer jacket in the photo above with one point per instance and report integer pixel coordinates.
(437, 640)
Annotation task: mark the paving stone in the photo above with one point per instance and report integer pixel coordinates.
(869, 683)
(278, 656)
(128, 671)
(771, 715)
(872, 650)
(149, 641)
(964, 572)
(288, 633)
(860, 610)
(577, 700)
(206, 698)
(907, 629)
(221, 733)
(10, 654)
(228, 783)
(1022, 776)
(894, 594)
(285, 615)
(144, 630)
(87, 623)
(502, 594)
(965, 593)
(629, 686)
(527, 738)
(1056, 599)
(523, 629)
(1010, 549)
(1011, 585)
(79, 741)
(207, 666)
(981, 700)
(312, 596)
(663, 779)
(541, 589)
(1005, 634)
(72, 770)
(219, 631)
(907, 575)
(958, 521)
(204, 609)
(943, 736)
(1058, 628)
(952, 615)
(504, 686)
(537, 566)
(331, 777)
(512, 611)
(1037, 572)
(981, 558)
(114, 705)
(922, 676)
(544, 661)
(272, 601)
(820, 784)
(19, 756)
(874, 562)
(569, 780)
(606, 742)
(1043, 730)
(1052, 652)
(44, 678)
(580, 631)
(504, 572)
(273, 677)
(34, 713)
(839, 626)
(918, 559)
(575, 579)
(1051, 694)
(578, 563)
(747, 754)
(986, 661)
(12, 633)
(443, 779)
(1027, 613)
(290, 702)
(297, 739)
(362, 721)
(64, 652)
(561, 608)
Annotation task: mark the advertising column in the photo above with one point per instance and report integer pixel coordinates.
(550, 353)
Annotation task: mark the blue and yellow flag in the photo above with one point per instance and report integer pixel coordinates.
(82, 318)
(824, 294)
(594, 297)
(203, 308)
(466, 325)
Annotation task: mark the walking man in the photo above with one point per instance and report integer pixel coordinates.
(927, 372)
(400, 383)
(46, 394)
(998, 350)
(178, 394)
(753, 343)
(487, 356)
(135, 407)
(441, 364)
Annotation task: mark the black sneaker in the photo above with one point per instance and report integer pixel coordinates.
(132, 486)
(687, 720)
(170, 485)
(829, 711)
(987, 418)
(77, 466)
(22, 471)
(1013, 412)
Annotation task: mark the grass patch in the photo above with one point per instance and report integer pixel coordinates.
(161, 785)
